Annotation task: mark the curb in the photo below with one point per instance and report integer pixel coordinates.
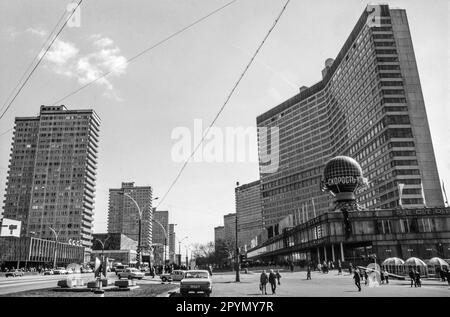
(169, 292)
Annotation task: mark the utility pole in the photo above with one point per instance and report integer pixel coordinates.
(238, 279)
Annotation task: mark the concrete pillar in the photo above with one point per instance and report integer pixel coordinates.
(332, 253)
(318, 255)
(342, 253)
(325, 253)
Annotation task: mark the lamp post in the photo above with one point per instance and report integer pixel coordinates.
(56, 245)
(140, 226)
(179, 247)
(103, 245)
(166, 237)
(238, 278)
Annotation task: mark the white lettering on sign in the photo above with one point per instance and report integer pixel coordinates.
(342, 180)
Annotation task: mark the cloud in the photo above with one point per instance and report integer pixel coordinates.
(61, 52)
(65, 59)
(37, 31)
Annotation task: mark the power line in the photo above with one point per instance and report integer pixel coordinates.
(44, 44)
(132, 59)
(39, 61)
(223, 105)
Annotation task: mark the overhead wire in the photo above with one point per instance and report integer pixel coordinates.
(227, 99)
(38, 62)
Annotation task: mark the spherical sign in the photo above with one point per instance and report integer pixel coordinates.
(342, 174)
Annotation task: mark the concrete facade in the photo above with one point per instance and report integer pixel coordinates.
(52, 174)
(249, 212)
(368, 106)
(123, 215)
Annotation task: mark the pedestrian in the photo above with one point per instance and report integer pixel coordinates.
(412, 277)
(278, 276)
(319, 267)
(263, 281)
(357, 279)
(386, 276)
(418, 281)
(308, 273)
(350, 266)
(447, 275)
(382, 277)
(442, 274)
(366, 278)
(292, 267)
(273, 281)
(210, 270)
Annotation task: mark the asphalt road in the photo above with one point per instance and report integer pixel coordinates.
(331, 284)
(32, 282)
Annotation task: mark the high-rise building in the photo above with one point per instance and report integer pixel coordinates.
(123, 214)
(172, 238)
(160, 230)
(229, 223)
(249, 212)
(369, 106)
(219, 234)
(51, 177)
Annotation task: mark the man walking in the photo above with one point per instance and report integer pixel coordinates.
(357, 279)
(308, 273)
(418, 282)
(278, 276)
(412, 277)
(273, 281)
(263, 281)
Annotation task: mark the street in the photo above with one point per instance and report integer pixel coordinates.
(10, 285)
(331, 284)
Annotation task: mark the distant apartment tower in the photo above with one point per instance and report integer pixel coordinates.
(51, 177)
(172, 238)
(219, 234)
(160, 230)
(249, 212)
(369, 106)
(123, 214)
(229, 223)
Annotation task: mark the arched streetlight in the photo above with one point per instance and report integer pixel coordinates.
(140, 224)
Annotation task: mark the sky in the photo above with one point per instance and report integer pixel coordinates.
(146, 106)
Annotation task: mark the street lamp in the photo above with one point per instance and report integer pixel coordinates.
(103, 245)
(56, 245)
(179, 247)
(166, 237)
(238, 279)
(140, 226)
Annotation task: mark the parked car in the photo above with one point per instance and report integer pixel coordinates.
(131, 273)
(48, 272)
(14, 273)
(120, 268)
(60, 271)
(196, 281)
(176, 275)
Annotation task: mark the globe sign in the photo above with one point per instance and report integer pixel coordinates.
(342, 174)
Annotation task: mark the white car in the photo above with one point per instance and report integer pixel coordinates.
(196, 281)
(131, 273)
(60, 271)
(176, 275)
